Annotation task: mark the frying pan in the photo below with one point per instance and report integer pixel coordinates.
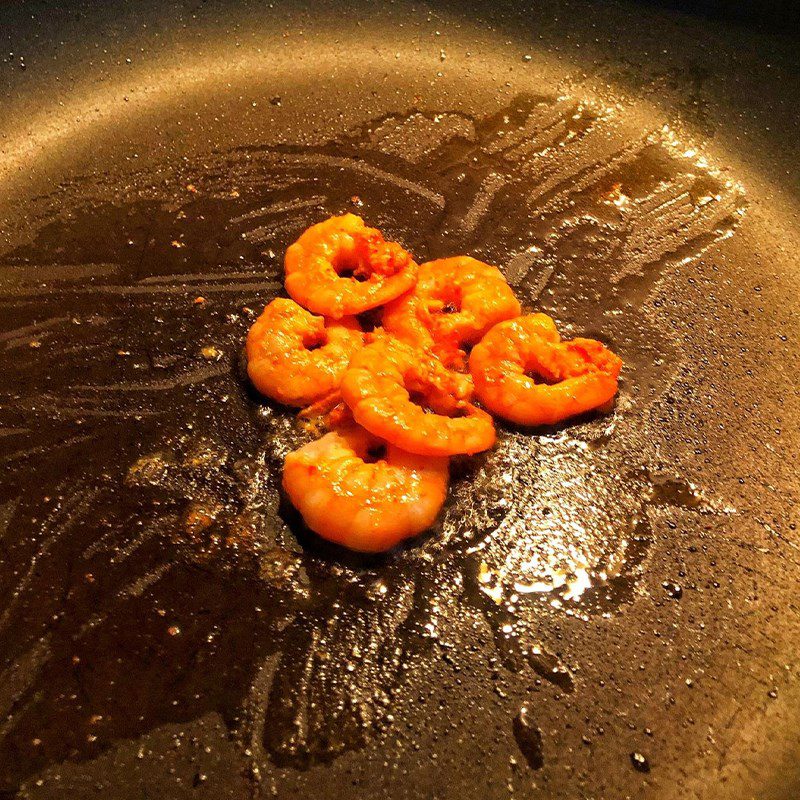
(606, 609)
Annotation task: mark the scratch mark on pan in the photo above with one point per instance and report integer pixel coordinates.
(669, 221)
(21, 454)
(13, 344)
(18, 678)
(362, 167)
(32, 329)
(264, 234)
(280, 208)
(62, 521)
(193, 277)
(15, 274)
(6, 513)
(52, 407)
(211, 288)
(13, 431)
(140, 585)
(107, 541)
(135, 589)
(543, 117)
(583, 173)
(124, 553)
(483, 200)
(255, 706)
(519, 266)
(197, 376)
(79, 413)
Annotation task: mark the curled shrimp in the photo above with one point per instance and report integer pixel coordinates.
(363, 493)
(456, 300)
(296, 357)
(341, 267)
(573, 376)
(382, 384)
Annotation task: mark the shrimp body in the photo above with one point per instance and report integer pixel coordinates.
(574, 376)
(341, 267)
(381, 385)
(296, 357)
(456, 300)
(366, 502)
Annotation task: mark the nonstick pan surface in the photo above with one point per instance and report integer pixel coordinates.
(606, 608)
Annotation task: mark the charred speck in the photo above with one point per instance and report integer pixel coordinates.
(640, 762)
(529, 738)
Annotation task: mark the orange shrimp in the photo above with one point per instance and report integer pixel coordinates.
(574, 376)
(341, 267)
(296, 357)
(363, 493)
(456, 300)
(380, 387)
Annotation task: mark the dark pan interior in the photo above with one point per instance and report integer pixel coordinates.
(605, 607)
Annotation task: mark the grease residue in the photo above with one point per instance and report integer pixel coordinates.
(150, 522)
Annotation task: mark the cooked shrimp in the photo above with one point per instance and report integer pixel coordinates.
(456, 300)
(361, 492)
(326, 414)
(298, 358)
(340, 267)
(573, 376)
(381, 385)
